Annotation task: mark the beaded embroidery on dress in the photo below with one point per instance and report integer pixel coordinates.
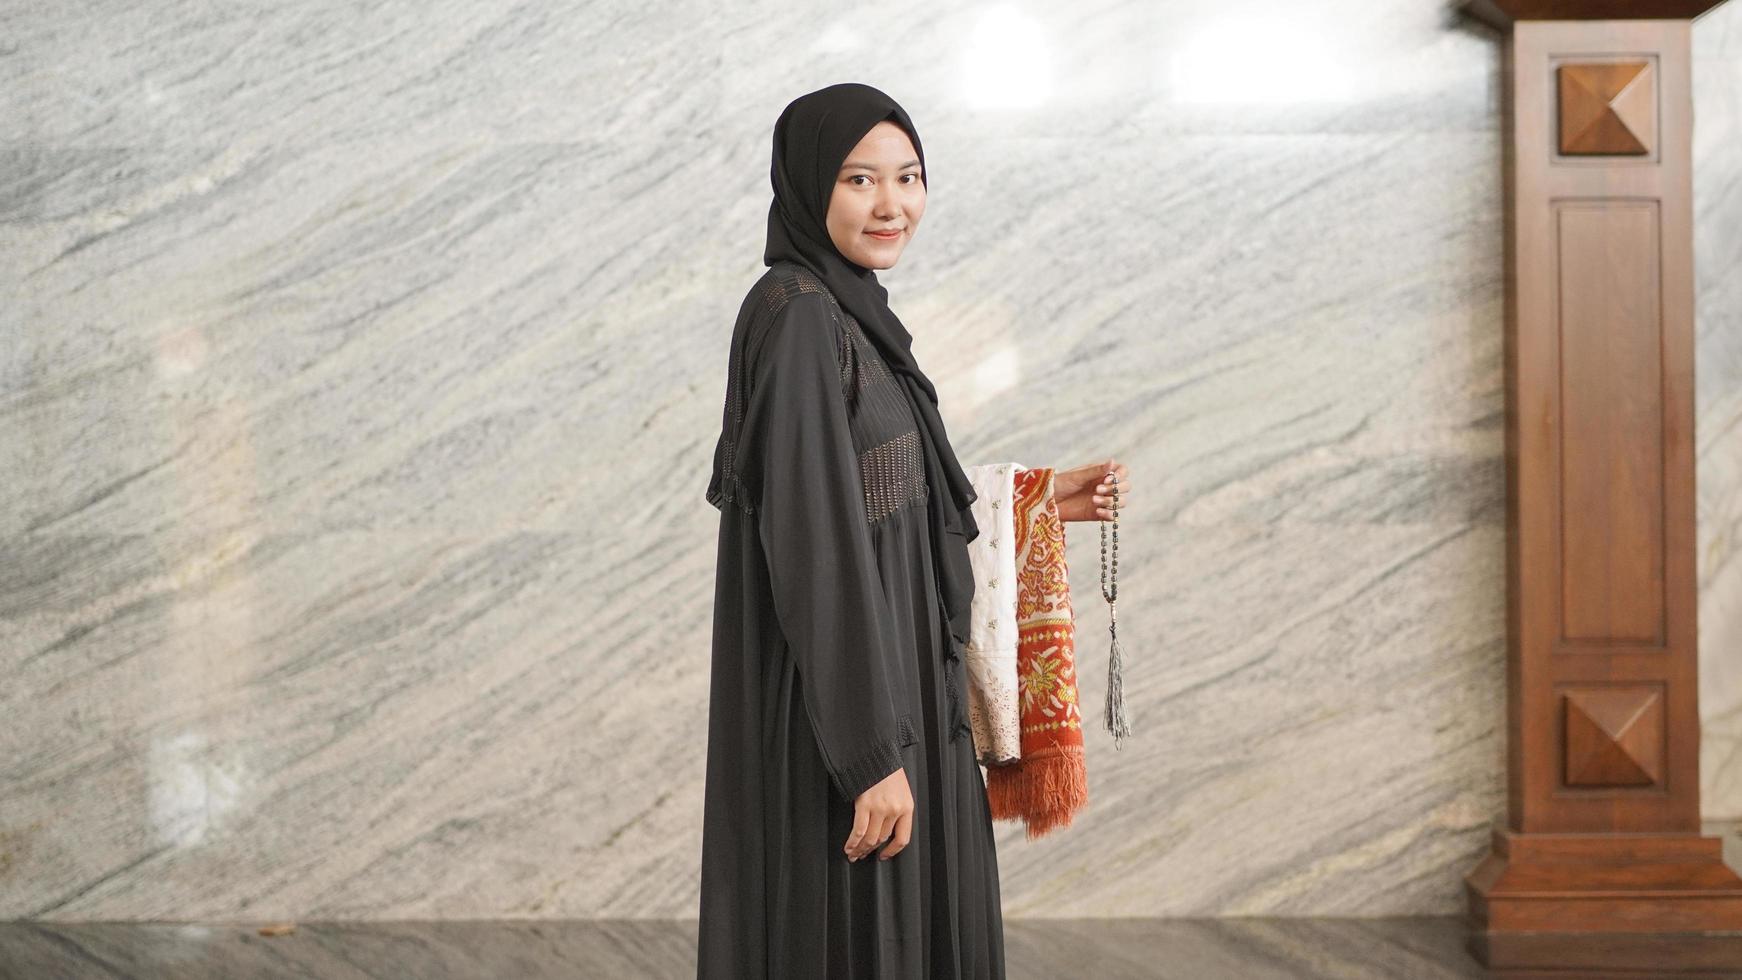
(893, 471)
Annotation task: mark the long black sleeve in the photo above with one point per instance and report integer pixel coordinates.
(828, 594)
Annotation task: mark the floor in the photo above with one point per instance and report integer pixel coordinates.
(1106, 949)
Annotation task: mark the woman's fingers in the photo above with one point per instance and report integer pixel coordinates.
(877, 829)
(877, 813)
(1106, 505)
(1116, 475)
(861, 826)
(883, 833)
(867, 831)
(869, 840)
(903, 833)
(873, 828)
(1115, 478)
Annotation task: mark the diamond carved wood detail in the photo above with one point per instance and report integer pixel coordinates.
(1606, 108)
(1614, 736)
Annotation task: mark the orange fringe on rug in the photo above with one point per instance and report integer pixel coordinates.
(1049, 783)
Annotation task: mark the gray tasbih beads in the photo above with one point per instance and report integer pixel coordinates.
(1115, 719)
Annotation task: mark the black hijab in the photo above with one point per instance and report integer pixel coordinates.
(812, 138)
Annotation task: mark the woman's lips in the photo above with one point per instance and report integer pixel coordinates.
(885, 236)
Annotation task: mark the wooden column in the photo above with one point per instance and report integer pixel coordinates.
(1600, 862)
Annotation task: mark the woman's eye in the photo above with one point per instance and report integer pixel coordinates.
(858, 177)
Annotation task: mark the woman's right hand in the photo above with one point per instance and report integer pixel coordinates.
(883, 811)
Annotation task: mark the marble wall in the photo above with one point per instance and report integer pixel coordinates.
(362, 364)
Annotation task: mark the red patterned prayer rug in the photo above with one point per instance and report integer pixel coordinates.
(1049, 783)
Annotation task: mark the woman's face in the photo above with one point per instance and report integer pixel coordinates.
(877, 189)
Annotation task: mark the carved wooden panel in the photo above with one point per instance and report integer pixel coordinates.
(1610, 452)
(1607, 108)
(1614, 736)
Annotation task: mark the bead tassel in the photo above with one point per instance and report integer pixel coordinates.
(1117, 724)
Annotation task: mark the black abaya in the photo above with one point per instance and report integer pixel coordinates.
(832, 669)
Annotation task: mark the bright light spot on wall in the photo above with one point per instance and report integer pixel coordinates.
(1008, 63)
(191, 794)
(1259, 61)
(838, 38)
(998, 372)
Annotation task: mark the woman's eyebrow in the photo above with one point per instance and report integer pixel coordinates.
(855, 165)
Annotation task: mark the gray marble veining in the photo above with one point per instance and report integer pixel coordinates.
(362, 366)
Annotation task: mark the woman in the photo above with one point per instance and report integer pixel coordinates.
(837, 728)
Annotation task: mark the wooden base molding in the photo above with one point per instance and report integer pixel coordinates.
(1583, 883)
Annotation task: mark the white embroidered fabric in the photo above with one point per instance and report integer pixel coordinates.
(990, 653)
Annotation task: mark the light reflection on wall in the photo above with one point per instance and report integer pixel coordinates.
(1007, 63)
(837, 38)
(988, 396)
(1259, 60)
(191, 794)
(997, 372)
(197, 765)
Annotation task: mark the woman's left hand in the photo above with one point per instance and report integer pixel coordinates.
(1084, 493)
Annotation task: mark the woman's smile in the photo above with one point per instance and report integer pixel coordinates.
(886, 236)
